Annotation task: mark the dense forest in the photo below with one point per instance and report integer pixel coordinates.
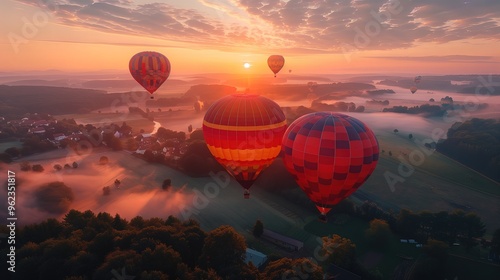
(475, 143)
(85, 245)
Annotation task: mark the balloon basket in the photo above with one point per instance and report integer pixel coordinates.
(246, 195)
(322, 218)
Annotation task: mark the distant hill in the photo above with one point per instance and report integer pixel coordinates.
(454, 83)
(209, 93)
(123, 83)
(39, 82)
(52, 100)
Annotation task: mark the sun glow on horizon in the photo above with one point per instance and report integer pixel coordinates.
(247, 65)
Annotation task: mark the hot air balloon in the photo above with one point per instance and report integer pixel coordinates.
(413, 89)
(276, 62)
(330, 155)
(243, 132)
(417, 79)
(150, 69)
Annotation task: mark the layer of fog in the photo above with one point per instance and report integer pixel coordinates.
(139, 193)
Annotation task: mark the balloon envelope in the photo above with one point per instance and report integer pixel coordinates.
(150, 69)
(413, 89)
(329, 155)
(243, 132)
(275, 62)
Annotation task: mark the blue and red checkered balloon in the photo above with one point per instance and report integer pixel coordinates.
(330, 155)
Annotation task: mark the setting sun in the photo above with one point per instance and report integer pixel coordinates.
(247, 65)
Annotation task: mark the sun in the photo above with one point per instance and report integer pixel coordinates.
(246, 65)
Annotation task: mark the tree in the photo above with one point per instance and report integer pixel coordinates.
(103, 160)
(286, 268)
(67, 166)
(258, 228)
(54, 197)
(360, 109)
(106, 190)
(410, 136)
(37, 168)
(131, 144)
(13, 151)
(198, 161)
(407, 223)
(340, 251)
(112, 141)
(117, 183)
(25, 166)
(190, 128)
(390, 153)
(475, 229)
(119, 223)
(396, 130)
(437, 249)
(75, 165)
(166, 184)
(223, 247)
(379, 234)
(197, 135)
(58, 167)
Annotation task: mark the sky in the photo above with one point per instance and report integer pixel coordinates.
(209, 36)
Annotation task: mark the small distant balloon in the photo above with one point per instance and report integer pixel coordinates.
(150, 69)
(413, 89)
(290, 71)
(418, 79)
(275, 63)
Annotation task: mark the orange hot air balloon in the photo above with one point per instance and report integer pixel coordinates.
(330, 155)
(413, 89)
(150, 69)
(243, 132)
(276, 62)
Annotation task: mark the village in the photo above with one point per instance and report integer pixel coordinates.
(38, 133)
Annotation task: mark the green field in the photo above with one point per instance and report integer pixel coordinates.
(437, 184)
(462, 268)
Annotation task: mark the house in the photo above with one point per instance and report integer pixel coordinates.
(37, 130)
(282, 241)
(40, 123)
(257, 258)
(58, 136)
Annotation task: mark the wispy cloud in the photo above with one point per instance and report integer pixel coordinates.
(444, 58)
(313, 26)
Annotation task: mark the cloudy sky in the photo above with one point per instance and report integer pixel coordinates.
(218, 36)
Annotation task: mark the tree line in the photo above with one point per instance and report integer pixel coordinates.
(85, 245)
(475, 143)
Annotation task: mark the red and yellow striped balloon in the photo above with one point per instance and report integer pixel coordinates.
(150, 69)
(244, 132)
